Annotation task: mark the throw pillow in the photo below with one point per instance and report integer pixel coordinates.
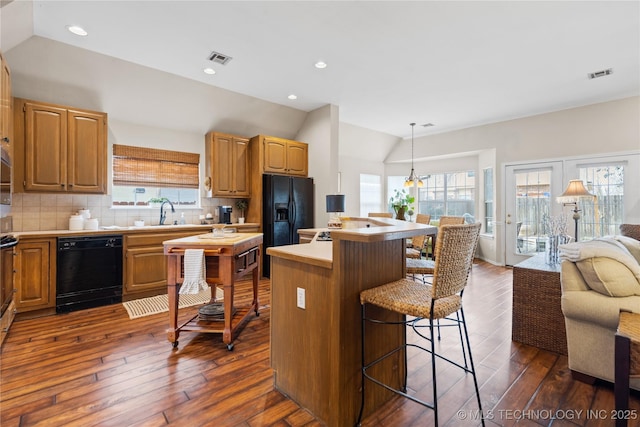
(608, 277)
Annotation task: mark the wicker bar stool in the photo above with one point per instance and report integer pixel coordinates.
(380, 215)
(627, 362)
(426, 304)
(418, 243)
(420, 266)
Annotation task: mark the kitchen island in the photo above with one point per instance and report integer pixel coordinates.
(227, 259)
(315, 316)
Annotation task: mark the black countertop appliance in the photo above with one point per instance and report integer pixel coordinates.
(224, 214)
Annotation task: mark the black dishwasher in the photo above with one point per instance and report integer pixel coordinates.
(89, 272)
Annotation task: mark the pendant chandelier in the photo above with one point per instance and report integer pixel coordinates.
(412, 178)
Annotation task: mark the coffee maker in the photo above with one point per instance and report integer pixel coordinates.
(224, 214)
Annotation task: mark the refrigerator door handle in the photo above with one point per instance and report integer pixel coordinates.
(292, 210)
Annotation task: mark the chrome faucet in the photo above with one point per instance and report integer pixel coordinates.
(163, 214)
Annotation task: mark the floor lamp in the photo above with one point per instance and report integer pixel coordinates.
(574, 192)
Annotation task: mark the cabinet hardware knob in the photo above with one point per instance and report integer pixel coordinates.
(5, 139)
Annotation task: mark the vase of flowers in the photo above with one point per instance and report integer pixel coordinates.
(401, 202)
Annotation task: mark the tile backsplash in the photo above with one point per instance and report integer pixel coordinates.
(44, 212)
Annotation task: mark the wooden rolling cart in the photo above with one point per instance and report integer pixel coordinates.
(227, 260)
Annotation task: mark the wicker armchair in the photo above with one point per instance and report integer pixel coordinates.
(630, 230)
(418, 243)
(426, 305)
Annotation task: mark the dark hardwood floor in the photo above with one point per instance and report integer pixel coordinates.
(98, 367)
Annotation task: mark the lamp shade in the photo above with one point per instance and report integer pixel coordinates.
(335, 202)
(575, 190)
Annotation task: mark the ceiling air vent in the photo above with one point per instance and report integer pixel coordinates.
(427, 125)
(601, 73)
(219, 58)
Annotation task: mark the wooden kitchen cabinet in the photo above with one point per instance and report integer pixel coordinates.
(35, 265)
(273, 155)
(6, 104)
(282, 156)
(227, 165)
(59, 148)
(145, 264)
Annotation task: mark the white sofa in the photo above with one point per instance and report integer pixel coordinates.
(601, 280)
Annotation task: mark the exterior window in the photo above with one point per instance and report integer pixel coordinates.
(488, 200)
(448, 194)
(602, 216)
(370, 194)
(142, 176)
(395, 183)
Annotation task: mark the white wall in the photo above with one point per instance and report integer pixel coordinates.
(320, 131)
(146, 106)
(598, 129)
(49, 71)
(361, 151)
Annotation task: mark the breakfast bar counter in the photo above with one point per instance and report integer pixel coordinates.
(228, 259)
(315, 315)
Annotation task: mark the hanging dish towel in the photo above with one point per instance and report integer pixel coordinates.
(194, 272)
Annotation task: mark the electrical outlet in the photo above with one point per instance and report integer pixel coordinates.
(301, 298)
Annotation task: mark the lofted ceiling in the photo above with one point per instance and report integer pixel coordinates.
(454, 64)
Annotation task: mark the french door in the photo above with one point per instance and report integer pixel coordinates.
(531, 190)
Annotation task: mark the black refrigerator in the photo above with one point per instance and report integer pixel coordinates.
(287, 207)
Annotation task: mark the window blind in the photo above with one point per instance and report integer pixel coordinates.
(151, 167)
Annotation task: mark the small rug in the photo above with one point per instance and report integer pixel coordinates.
(160, 303)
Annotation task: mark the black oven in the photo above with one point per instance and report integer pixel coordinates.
(7, 243)
(5, 177)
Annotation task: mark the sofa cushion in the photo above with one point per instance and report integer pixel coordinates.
(608, 277)
(631, 244)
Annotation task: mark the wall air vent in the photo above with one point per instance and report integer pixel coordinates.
(601, 73)
(219, 58)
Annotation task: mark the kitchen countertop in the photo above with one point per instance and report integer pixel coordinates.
(104, 230)
(320, 253)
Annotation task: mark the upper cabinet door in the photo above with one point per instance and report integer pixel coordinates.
(275, 155)
(223, 164)
(297, 158)
(227, 160)
(242, 179)
(286, 157)
(6, 117)
(45, 148)
(60, 149)
(86, 152)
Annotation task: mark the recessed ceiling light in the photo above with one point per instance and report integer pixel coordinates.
(209, 70)
(77, 30)
(321, 64)
(292, 96)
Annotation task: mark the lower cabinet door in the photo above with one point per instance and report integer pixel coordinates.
(35, 281)
(146, 270)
